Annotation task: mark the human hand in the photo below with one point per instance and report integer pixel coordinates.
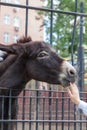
(74, 93)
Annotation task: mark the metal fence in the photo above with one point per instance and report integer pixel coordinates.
(44, 110)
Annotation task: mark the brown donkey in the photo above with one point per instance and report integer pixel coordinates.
(28, 60)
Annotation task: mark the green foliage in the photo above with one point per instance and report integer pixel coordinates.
(62, 30)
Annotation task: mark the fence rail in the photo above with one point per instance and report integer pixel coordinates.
(36, 110)
(44, 9)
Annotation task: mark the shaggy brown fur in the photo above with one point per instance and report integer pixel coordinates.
(28, 60)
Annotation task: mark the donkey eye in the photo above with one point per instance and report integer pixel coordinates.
(42, 55)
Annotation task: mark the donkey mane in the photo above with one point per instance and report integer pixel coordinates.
(24, 39)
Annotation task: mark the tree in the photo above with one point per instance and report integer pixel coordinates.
(62, 30)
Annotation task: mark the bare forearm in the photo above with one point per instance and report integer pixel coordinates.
(75, 98)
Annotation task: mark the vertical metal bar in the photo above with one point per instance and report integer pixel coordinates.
(74, 117)
(23, 114)
(62, 110)
(72, 58)
(80, 59)
(68, 113)
(9, 110)
(51, 23)
(30, 106)
(16, 102)
(73, 35)
(51, 31)
(81, 122)
(56, 113)
(43, 111)
(26, 20)
(50, 106)
(50, 109)
(2, 124)
(86, 117)
(80, 62)
(37, 103)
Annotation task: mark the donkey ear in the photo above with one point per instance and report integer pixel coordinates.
(11, 49)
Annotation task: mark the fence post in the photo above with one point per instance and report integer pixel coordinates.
(26, 19)
(80, 59)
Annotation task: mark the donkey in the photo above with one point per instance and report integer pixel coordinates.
(28, 60)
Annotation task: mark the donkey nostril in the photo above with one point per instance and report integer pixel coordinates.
(71, 72)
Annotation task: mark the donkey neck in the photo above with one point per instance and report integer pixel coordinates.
(15, 75)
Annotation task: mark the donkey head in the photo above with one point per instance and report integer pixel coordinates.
(42, 62)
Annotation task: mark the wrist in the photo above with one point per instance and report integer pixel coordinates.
(77, 102)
